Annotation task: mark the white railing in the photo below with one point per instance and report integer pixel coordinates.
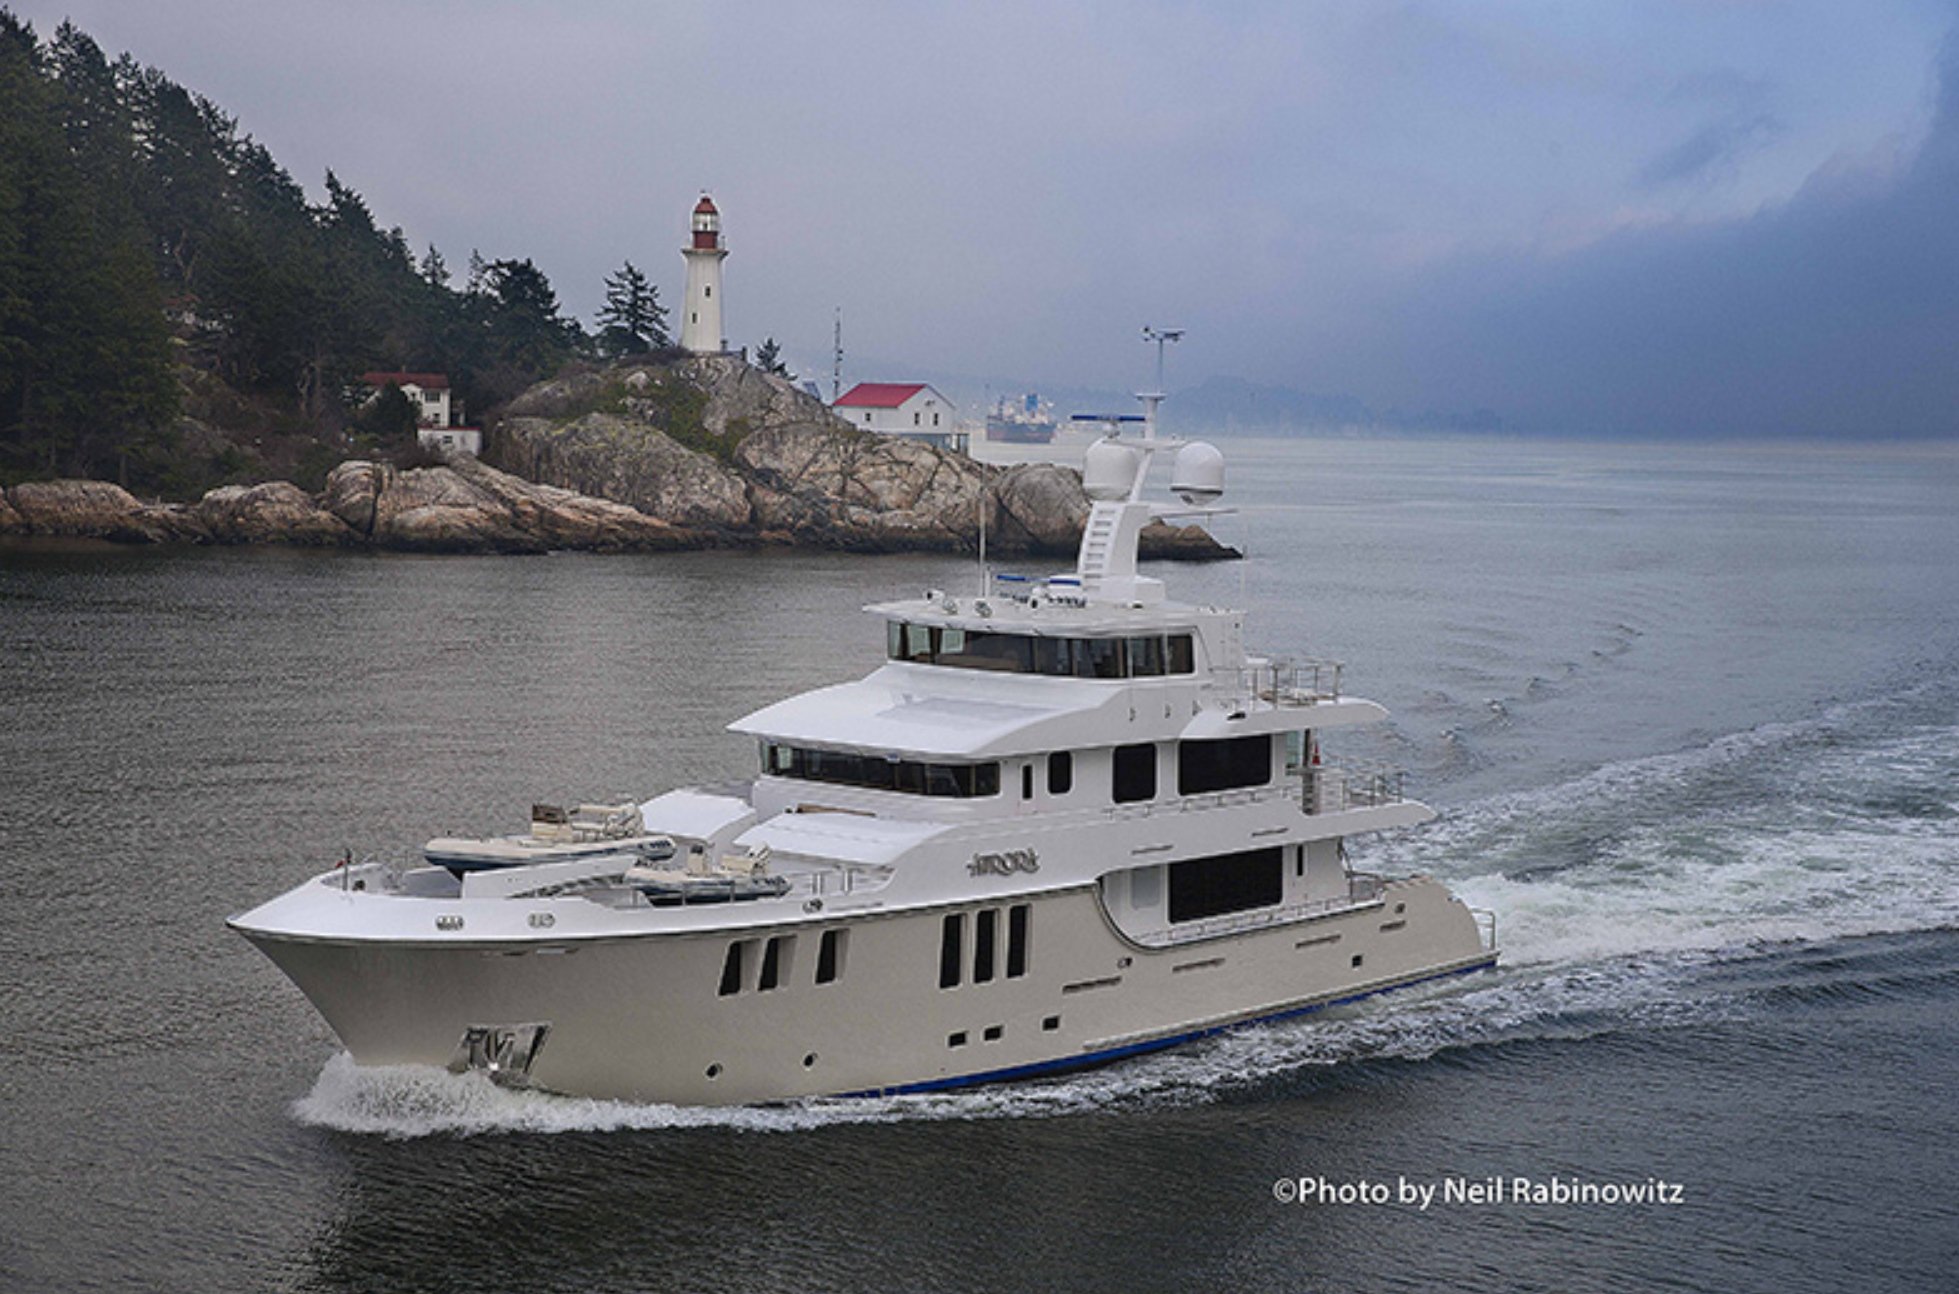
(1336, 788)
(1288, 683)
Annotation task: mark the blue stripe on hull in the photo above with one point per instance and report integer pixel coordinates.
(1093, 1058)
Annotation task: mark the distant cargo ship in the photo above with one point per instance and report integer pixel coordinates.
(1027, 421)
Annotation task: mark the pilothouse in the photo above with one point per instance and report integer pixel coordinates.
(1065, 821)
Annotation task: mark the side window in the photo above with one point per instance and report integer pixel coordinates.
(1061, 773)
(829, 956)
(950, 942)
(1135, 773)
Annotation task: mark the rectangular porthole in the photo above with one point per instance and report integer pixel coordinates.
(985, 923)
(1357, 957)
(1017, 919)
(956, 1039)
(829, 956)
(731, 967)
(994, 1032)
(1052, 1023)
(950, 941)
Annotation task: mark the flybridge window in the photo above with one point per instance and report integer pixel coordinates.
(843, 768)
(1143, 657)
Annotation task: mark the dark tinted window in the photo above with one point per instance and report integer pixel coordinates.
(1182, 656)
(1135, 773)
(847, 768)
(1017, 940)
(1061, 773)
(1054, 656)
(976, 649)
(1211, 887)
(985, 930)
(1145, 657)
(949, 944)
(1204, 766)
(731, 968)
(1098, 658)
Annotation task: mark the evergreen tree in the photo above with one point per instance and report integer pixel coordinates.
(632, 318)
(768, 358)
(433, 269)
(87, 357)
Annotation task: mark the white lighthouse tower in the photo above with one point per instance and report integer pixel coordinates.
(700, 325)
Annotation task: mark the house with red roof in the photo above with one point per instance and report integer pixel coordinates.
(429, 393)
(899, 409)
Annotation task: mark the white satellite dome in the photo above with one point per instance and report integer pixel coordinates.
(1109, 471)
(1199, 475)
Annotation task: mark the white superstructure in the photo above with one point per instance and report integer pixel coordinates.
(700, 319)
(1066, 821)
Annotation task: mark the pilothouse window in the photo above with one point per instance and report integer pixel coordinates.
(879, 773)
(959, 648)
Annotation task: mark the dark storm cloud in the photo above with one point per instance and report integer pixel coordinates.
(1717, 147)
(1835, 313)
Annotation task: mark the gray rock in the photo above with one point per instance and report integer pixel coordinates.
(93, 509)
(437, 509)
(276, 512)
(628, 461)
(353, 490)
(564, 519)
(1038, 508)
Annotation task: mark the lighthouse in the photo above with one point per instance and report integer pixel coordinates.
(700, 324)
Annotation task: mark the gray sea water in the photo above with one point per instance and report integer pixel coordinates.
(1691, 715)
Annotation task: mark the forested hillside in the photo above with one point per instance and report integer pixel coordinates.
(166, 286)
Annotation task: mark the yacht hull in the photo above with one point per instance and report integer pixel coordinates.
(657, 1016)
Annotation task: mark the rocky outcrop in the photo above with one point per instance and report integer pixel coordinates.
(630, 461)
(713, 444)
(276, 512)
(96, 509)
(469, 507)
(683, 453)
(847, 489)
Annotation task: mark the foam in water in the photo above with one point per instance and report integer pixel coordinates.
(1616, 892)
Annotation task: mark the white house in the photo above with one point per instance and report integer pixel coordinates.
(429, 394)
(899, 409)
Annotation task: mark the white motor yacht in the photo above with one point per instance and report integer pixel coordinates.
(1066, 821)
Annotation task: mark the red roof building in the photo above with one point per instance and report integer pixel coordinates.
(898, 409)
(879, 395)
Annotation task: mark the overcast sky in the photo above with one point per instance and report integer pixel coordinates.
(1724, 217)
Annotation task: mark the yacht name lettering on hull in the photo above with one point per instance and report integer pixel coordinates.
(1004, 863)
